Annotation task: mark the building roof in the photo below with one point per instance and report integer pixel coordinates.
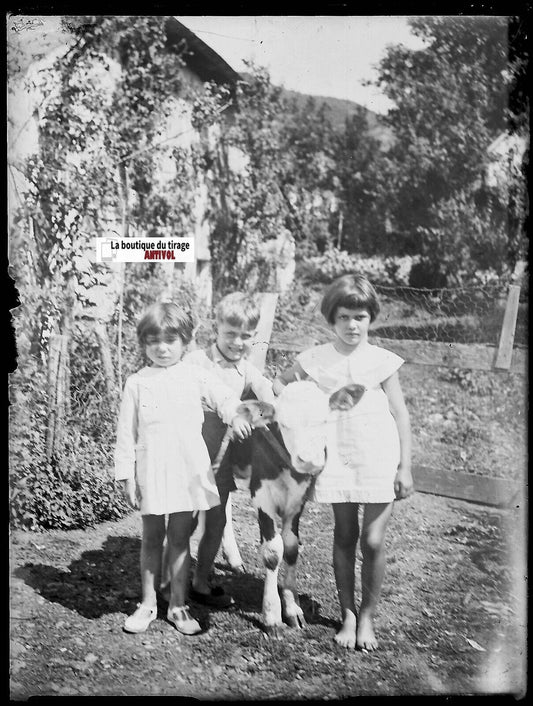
(199, 57)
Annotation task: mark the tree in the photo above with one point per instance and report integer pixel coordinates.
(450, 102)
(359, 167)
(285, 181)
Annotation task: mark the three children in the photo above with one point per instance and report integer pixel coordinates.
(368, 460)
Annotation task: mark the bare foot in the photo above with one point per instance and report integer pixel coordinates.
(366, 639)
(346, 635)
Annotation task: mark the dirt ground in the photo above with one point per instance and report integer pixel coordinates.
(451, 619)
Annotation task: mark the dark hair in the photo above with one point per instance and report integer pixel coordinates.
(238, 309)
(351, 292)
(165, 318)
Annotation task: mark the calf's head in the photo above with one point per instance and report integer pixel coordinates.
(302, 412)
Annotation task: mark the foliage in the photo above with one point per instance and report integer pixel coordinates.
(450, 102)
(476, 382)
(97, 158)
(334, 263)
(75, 489)
(286, 181)
(72, 495)
(360, 169)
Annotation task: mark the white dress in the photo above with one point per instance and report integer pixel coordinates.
(363, 444)
(159, 436)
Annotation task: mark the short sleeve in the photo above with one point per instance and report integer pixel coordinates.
(309, 361)
(261, 386)
(388, 364)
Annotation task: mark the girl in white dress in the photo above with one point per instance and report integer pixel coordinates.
(369, 447)
(161, 460)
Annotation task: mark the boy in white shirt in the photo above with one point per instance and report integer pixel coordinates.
(237, 317)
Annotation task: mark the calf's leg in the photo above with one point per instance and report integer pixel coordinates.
(230, 548)
(272, 554)
(291, 605)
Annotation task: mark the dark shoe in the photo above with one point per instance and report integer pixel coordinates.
(216, 598)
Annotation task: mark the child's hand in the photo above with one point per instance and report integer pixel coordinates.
(241, 427)
(128, 488)
(403, 483)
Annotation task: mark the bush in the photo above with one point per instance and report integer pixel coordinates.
(388, 271)
(73, 491)
(76, 488)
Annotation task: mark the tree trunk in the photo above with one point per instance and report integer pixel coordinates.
(105, 356)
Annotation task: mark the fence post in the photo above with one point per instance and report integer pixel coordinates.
(57, 387)
(259, 350)
(505, 347)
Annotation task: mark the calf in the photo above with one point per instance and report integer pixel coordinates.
(288, 451)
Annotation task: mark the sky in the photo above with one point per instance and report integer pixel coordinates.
(317, 55)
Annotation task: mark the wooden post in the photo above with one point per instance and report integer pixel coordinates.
(260, 345)
(505, 348)
(57, 392)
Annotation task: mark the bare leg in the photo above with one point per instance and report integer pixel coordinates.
(164, 585)
(375, 519)
(151, 548)
(344, 543)
(179, 529)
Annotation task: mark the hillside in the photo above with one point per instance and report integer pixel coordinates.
(340, 109)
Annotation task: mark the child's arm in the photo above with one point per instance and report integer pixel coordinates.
(260, 385)
(292, 374)
(125, 446)
(403, 483)
(225, 402)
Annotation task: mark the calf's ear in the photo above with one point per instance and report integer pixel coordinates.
(258, 414)
(347, 397)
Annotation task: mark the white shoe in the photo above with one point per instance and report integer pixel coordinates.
(141, 619)
(183, 621)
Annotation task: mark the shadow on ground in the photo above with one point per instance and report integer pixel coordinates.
(101, 581)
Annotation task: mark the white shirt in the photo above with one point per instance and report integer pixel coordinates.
(240, 375)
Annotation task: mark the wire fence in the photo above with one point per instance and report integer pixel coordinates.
(452, 315)
(449, 315)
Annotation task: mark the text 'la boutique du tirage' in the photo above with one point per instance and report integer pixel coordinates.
(139, 249)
